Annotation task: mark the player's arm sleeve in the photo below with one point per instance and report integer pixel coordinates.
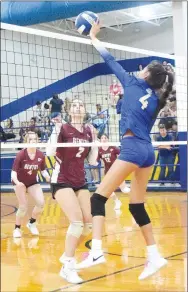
(116, 68)
(54, 138)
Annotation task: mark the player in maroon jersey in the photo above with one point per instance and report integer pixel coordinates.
(68, 182)
(108, 154)
(24, 178)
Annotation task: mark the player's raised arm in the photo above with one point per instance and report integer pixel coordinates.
(116, 68)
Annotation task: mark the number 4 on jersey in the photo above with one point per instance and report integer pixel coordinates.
(144, 98)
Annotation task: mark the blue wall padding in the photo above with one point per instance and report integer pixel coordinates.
(183, 160)
(28, 13)
(28, 101)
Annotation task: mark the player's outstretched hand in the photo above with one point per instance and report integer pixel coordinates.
(94, 30)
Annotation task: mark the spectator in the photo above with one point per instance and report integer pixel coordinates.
(140, 67)
(33, 127)
(39, 112)
(165, 155)
(100, 120)
(115, 90)
(46, 130)
(174, 131)
(6, 136)
(119, 104)
(166, 118)
(55, 106)
(9, 126)
(165, 64)
(22, 132)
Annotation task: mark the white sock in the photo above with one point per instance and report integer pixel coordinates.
(96, 247)
(153, 252)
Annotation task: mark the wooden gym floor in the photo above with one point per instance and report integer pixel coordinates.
(32, 264)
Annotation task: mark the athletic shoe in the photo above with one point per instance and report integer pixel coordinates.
(152, 267)
(69, 273)
(17, 233)
(126, 190)
(117, 204)
(32, 227)
(62, 259)
(91, 261)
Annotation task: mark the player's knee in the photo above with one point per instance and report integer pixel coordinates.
(87, 229)
(21, 212)
(98, 205)
(139, 214)
(76, 228)
(39, 207)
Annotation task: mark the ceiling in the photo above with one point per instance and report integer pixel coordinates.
(153, 15)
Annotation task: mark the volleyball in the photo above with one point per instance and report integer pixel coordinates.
(84, 22)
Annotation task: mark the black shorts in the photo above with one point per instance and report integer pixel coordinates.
(59, 186)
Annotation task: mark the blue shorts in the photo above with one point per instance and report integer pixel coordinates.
(137, 151)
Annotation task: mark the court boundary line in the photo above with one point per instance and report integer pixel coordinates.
(107, 275)
(15, 209)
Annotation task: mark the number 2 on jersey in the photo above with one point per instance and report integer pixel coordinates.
(144, 98)
(80, 151)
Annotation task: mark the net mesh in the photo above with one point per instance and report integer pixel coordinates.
(36, 64)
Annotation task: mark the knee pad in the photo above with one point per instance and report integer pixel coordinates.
(139, 214)
(39, 207)
(87, 229)
(21, 212)
(98, 205)
(76, 229)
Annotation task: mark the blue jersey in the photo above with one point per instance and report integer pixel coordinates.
(140, 102)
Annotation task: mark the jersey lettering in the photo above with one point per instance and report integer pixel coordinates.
(144, 98)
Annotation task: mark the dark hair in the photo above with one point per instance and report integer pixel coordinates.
(161, 80)
(55, 96)
(34, 119)
(38, 102)
(104, 135)
(162, 126)
(46, 106)
(120, 96)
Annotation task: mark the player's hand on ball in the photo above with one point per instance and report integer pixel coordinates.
(95, 30)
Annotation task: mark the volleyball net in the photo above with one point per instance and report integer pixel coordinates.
(38, 64)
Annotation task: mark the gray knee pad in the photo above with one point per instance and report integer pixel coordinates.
(139, 214)
(75, 229)
(98, 205)
(21, 212)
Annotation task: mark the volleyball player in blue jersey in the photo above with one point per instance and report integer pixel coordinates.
(144, 96)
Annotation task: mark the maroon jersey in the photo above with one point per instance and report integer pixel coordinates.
(69, 167)
(108, 156)
(26, 168)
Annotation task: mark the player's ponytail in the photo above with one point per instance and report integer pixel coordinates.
(161, 81)
(166, 90)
